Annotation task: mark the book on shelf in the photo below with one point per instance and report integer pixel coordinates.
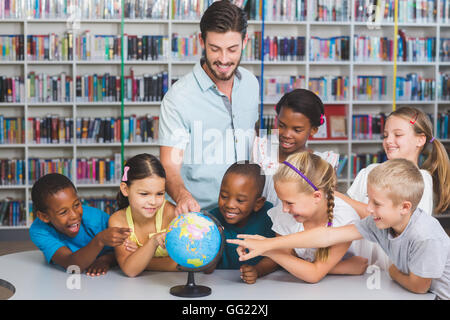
(442, 131)
(50, 129)
(329, 49)
(106, 88)
(409, 11)
(331, 10)
(444, 86)
(416, 49)
(12, 130)
(444, 50)
(38, 167)
(108, 205)
(276, 86)
(12, 212)
(372, 48)
(368, 126)
(12, 172)
(276, 48)
(11, 47)
(362, 160)
(341, 165)
(43, 87)
(414, 87)
(186, 48)
(108, 129)
(330, 88)
(12, 89)
(335, 124)
(145, 9)
(370, 88)
(51, 47)
(98, 170)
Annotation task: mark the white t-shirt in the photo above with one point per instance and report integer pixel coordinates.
(284, 224)
(265, 153)
(358, 189)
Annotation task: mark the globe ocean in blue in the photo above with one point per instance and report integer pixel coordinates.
(193, 240)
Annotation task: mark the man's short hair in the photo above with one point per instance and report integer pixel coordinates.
(401, 179)
(223, 16)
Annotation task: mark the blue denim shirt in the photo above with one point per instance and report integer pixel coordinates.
(213, 133)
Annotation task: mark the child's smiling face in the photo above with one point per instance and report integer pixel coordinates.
(64, 212)
(238, 198)
(294, 130)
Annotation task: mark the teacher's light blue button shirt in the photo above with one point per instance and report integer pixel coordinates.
(214, 133)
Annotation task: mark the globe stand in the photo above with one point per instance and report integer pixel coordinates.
(190, 290)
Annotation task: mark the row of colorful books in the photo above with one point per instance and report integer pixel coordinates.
(42, 87)
(11, 47)
(275, 48)
(12, 172)
(370, 88)
(186, 48)
(368, 126)
(12, 89)
(54, 47)
(409, 11)
(107, 87)
(358, 162)
(38, 167)
(11, 130)
(442, 130)
(12, 212)
(413, 49)
(51, 47)
(414, 87)
(443, 86)
(108, 129)
(329, 49)
(330, 88)
(420, 11)
(50, 129)
(372, 48)
(108, 47)
(444, 50)
(99, 170)
(331, 10)
(108, 205)
(276, 86)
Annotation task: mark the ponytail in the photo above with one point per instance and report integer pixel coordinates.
(322, 253)
(437, 164)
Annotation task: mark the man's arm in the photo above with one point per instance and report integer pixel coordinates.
(171, 159)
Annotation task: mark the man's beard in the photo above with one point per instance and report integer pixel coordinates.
(218, 76)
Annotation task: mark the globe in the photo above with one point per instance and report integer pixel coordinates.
(193, 240)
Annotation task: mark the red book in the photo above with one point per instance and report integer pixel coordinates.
(335, 122)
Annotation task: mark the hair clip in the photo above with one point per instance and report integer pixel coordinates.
(125, 173)
(322, 118)
(432, 139)
(415, 118)
(330, 224)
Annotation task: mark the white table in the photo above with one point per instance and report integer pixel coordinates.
(33, 278)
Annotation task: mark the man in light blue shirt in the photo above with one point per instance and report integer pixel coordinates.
(208, 117)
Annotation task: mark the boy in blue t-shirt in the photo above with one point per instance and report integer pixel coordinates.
(69, 233)
(242, 209)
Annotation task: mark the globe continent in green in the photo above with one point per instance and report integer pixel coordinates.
(193, 240)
